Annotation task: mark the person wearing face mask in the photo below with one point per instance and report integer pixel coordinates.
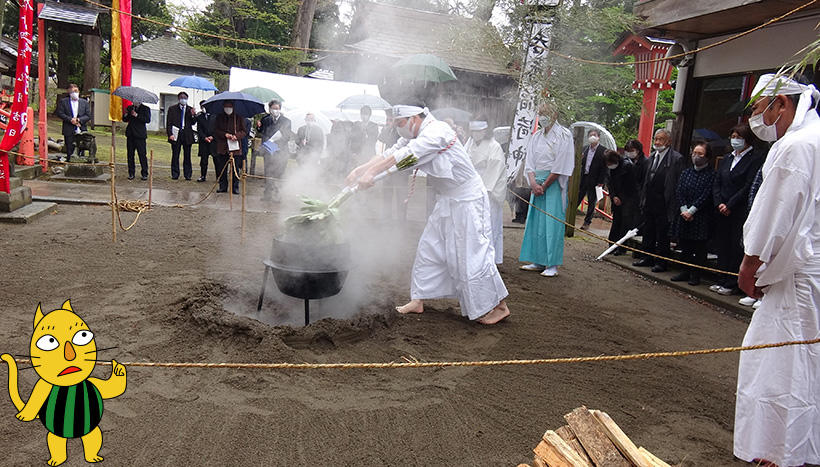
(730, 193)
(137, 116)
(205, 138)
(455, 255)
(490, 163)
(75, 113)
(693, 200)
(593, 174)
(633, 150)
(310, 139)
(228, 126)
(274, 129)
(623, 191)
(548, 165)
(179, 125)
(776, 416)
(658, 200)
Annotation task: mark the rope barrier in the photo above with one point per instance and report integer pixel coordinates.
(604, 239)
(415, 363)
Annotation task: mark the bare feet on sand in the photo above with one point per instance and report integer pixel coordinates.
(413, 306)
(497, 314)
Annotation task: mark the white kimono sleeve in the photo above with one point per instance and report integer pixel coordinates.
(494, 175)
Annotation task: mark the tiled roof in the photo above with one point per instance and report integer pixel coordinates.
(170, 51)
(68, 13)
(393, 31)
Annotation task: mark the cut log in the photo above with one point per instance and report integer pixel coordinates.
(565, 432)
(523, 465)
(621, 441)
(557, 453)
(656, 461)
(593, 438)
(537, 462)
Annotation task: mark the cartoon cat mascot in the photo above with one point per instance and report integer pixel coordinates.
(67, 401)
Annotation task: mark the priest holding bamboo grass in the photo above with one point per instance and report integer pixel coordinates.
(455, 256)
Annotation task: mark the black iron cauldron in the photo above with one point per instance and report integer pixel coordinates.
(306, 270)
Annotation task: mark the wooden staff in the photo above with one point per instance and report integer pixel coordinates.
(244, 179)
(113, 196)
(150, 178)
(230, 180)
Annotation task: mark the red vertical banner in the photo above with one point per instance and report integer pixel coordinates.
(19, 116)
(125, 35)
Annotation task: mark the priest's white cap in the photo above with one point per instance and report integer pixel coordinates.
(772, 84)
(405, 111)
(478, 125)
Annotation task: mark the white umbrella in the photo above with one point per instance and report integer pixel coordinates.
(620, 242)
(606, 140)
(297, 118)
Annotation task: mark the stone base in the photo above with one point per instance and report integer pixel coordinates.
(28, 213)
(104, 178)
(28, 172)
(19, 197)
(84, 171)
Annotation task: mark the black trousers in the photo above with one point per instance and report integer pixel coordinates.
(624, 218)
(694, 252)
(186, 160)
(275, 165)
(220, 163)
(588, 190)
(138, 145)
(69, 145)
(656, 235)
(729, 245)
(204, 153)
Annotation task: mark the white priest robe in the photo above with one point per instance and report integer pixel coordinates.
(490, 163)
(777, 416)
(455, 255)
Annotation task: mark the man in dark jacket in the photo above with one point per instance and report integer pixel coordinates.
(75, 113)
(623, 190)
(205, 138)
(310, 139)
(593, 174)
(229, 129)
(179, 124)
(658, 199)
(137, 115)
(275, 132)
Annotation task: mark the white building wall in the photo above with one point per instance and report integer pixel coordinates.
(157, 82)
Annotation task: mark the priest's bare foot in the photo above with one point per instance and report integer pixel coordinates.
(497, 314)
(413, 306)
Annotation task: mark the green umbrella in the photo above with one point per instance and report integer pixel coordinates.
(263, 94)
(424, 67)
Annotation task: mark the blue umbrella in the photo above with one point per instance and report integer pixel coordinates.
(193, 82)
(244, 105)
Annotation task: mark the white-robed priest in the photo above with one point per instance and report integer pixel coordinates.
(455, 256)
(490, 163)
(777, 416)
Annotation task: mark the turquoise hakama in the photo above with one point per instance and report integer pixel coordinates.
(543, 242)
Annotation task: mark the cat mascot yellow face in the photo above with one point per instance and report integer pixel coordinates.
(67, 400)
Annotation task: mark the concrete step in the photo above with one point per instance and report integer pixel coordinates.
(28, 213)
(27, 172)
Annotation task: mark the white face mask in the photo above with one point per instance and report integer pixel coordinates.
(183, 102)
(74, 96)
(632, 154)
(593, 140)
(761, 129)
(612, 166)
(275, 113)
(737, 143)
(405, 131)
(228, 110)
(658, 147)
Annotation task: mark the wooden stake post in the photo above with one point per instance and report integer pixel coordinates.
(575, 181)
(113, 194)
(150, 177)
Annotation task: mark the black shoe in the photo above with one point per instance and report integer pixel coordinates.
(174, 178)
(188, 178)
(130, 177)
(236, 192)
(694, 281)
(658, 268)
(680, 277)
(222, 191)
(144, 178)
(642, 263)
(200, 179)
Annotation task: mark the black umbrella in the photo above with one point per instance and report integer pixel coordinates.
(244, 105)
(135, 94)
(457, 115)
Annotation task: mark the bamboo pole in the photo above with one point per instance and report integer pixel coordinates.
(150, 178)
(230, 182)
(244, 180)
(113, 197)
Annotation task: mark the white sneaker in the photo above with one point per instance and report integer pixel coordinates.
(725, 291)
(747, 301)
(714, 288)
(757, 304)
(532, 267)
(551, 271)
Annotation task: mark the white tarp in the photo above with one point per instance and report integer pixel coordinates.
(305, 94)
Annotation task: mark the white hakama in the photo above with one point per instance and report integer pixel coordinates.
(489, 161)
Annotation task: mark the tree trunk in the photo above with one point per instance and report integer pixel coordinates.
(91, 73)
(63, 55)
(303, 24)
(484, 10)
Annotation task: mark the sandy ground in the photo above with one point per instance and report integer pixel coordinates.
(180, 287)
